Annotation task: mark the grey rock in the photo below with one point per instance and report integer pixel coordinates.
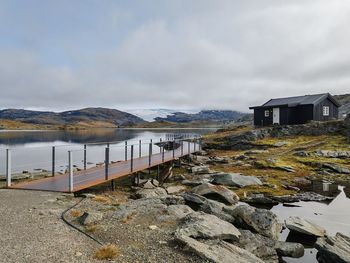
(151, 184)
(194, 183)
(216, 192)
(305, 196)
(336, 168)
(333, 249)
(261, 221)
(175, 189)
(289, 249)
(260, 246)
(219, 251)
(235, 179)
(151, 193)
(205, 226)
(209, 206)
(217, 160)
(203, 169)
(90, 218)
(333, 154)
(280, 144)
(303, 226)
(260, 199)
(178, 211)
(301, 153)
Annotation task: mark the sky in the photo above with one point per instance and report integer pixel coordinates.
(173, 54)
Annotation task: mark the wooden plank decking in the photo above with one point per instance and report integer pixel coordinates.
(95, 176)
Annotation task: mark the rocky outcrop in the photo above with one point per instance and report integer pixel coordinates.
(303, 226)
(245, 140)
(90, 218)
(235, 179)
(333, 154)
(261, 221)
(219, 251)
(175, 189)
(336, 168)
(289, 249)
(216, 192)
(305, 196)
(333, 249)
(179, 211)
(204, 226)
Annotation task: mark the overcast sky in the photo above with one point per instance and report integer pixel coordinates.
(178, 54)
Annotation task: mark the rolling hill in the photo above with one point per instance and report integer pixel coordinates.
(88, 117)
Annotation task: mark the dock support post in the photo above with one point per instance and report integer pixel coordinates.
(132, 158)
(126, 150)
(158, 172)
(140, 149)
(85, 157)
(150, 155)
(70, 169)
(8, 168)
(53, 160)
(113, 185)
(106, 162)
(182, 148)
(162, 149)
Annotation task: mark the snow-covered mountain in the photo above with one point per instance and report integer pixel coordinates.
(151, 114)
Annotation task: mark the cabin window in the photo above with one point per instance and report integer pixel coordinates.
(325, 110)
(267, 113)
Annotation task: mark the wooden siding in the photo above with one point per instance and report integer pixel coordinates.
(260, 119)
(318, 111)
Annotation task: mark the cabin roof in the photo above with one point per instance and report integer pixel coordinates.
(298, 100)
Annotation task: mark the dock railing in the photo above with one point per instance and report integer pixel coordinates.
(114, 152)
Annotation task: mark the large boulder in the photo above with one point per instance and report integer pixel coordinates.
(261, 221)
(216, 192)
(205, 226)
(90, 218)
(300, 225)
(336, 168)
(235, 179)
(219, 251)
(208, 206)
(333, 249)
(268, 249)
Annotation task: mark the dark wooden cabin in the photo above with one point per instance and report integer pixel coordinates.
(296, 110)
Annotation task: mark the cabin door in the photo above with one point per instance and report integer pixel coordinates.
(276, 115)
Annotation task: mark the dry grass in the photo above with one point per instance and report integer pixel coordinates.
(107, 252)
(75, 213)
(102, 199)
(92, 228)
(128, 218)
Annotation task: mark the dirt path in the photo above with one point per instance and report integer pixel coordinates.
(31, 229)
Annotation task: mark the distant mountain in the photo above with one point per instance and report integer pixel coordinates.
(344, 100)
(204, 115)
(152, 114)
(88, 117)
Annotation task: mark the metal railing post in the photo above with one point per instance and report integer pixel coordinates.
(189, 147)
(8, 167)
(53, 160)
(174, 149)
(162, 149)
(70, 169)
(194, 145)
(85, 157)
(140, 149)
(150, 155)
(132, 158)
(182, 148)
(126, 150)
(106, 162)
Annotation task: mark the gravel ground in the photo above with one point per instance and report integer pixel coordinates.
(31, 229)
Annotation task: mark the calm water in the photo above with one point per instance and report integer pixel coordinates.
(334, 216)
(32, 150)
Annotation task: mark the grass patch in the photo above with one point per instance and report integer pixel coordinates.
(107, 252)
(102, 199)
(75, 213)
(92, 228)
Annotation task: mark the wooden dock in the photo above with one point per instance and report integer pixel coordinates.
(76, 181)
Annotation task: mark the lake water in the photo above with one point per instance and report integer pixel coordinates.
(334, 216)
(32, 150)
